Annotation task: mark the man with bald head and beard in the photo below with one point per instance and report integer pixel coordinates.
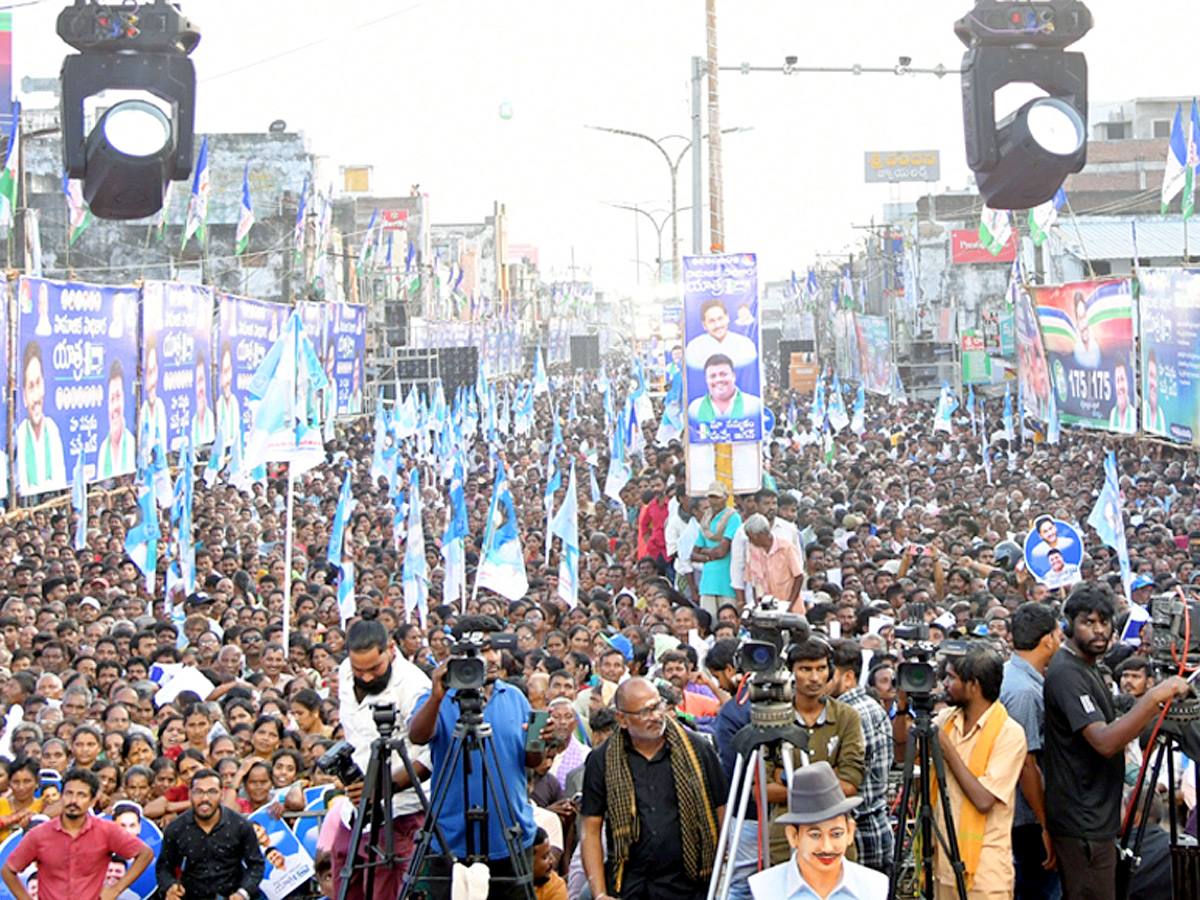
(658, 790)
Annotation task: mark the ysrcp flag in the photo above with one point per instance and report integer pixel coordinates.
(947, 404)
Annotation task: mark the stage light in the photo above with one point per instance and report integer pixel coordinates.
(144, 140)
(1024, 159)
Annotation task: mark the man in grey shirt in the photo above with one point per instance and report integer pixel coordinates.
(1036, 635)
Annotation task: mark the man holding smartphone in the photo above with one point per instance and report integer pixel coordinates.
(507, 710)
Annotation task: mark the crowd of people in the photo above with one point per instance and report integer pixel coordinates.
(623, 791)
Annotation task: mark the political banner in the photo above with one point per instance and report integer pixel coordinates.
(4, 367)
(151, 835)
(1087, 328)
(1054, 552)
(846, 360)
(75, 382)
(177, 366)
(721, 349)
(875, 353)
(289, 865)
(1169, 322)
(976, 367)
(246, 329)
(345, 349)
(1032, 370)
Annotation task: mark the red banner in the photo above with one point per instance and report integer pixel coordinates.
(965, 248)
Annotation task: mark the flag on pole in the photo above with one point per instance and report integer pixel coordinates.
(141, 540)
(9, 177)
(1041, 217)
(285, 424)
(1054, 425)
(79, 217)
(299, 229)
(347, 605)
(196, 222)
(541, 383)
(1009, 429)
(947, 404)
(995, 229)
(160, 218)
(566, 527)
(1193, 162)
(341, 516)
(1175, 176)
(593, 484)
(971, 405)
(241, 238)
(670, 426)
(858, 419)
(501, 565)
(836, 410)
(364, 251)
(1108, 519)
(79, 502)
(216, 458)
(553, 484)
(415, 573)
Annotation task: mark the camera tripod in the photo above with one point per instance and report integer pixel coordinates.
(375, 806)
(472, 735)
(1185, 882)
(769, 729)
(924, 752)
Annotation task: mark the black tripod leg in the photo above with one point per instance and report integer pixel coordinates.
(360, 820)
(910, 755)
(951, 836)
(522, 871)
(425, 835)
(419, 788)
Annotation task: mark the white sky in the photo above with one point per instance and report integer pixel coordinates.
(414, 89)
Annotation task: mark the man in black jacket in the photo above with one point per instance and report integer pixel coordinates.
(210, 851)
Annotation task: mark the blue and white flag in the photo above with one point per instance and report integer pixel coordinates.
(594, 485)
(1108, 518)
(566, 527)
(1009, 426)
(857, 420)
(1054, 425)
(415, 574)
(541, 384)
(898, 396)
(837, 406)
(553, 484)
(670, 426)
(241, 236)
(196, 222)
(502, 565)
(299, 227)
(818, 404)
(79, 503)
(346, 601)
(971, 406)
(341, 516)
(947, 404)
(1041, 217)
(141, 540)
(285, 419)
(216, 458)
(813, 288)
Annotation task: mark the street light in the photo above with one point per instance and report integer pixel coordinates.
(903, 66)
(673, 165)
(658, 228)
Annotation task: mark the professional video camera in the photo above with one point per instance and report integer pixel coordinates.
(917, 676)
(771, 687)
(1175, 617)
(468, 671)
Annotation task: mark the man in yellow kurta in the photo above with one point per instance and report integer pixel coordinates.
(984, 751)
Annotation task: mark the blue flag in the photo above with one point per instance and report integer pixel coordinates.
(1108, 519)
(337, 531)
(566, 527)
(415, 574)
(79, 502)
(501, 565)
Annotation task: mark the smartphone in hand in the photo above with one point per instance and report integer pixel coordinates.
(533, 736)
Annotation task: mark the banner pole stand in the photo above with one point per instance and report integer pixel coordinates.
(287, 560)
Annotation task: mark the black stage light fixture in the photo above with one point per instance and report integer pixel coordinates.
(144, 140)
(1024, 159)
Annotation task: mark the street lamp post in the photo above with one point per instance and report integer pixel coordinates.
(659, 225)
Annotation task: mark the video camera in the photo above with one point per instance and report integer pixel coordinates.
(771, 688)
(917, 676)
(467, 672)
(1175, 617)
(338, 760)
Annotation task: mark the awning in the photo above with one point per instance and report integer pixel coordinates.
(1114, 239)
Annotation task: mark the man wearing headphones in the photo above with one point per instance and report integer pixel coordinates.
(1084, 746)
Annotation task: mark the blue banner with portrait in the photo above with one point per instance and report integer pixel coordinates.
(177, 366)
(721, 348)
(289, 865)
(246, 329)
(75, 382)
(312, 317)
(345, 349)
(1054, 552)
(1169, 306)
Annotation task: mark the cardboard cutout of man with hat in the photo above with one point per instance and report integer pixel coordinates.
(819, 829)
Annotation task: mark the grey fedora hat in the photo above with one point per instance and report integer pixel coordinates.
(816, 796)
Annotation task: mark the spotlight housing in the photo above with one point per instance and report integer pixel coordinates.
(1023, 160)
(141, 143)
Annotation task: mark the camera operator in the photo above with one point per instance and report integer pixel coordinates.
(1084, 746)
(375, 674)
(507, 710)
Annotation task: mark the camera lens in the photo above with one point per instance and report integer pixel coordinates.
(465, 674)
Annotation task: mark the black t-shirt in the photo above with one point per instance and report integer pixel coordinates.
(654, 870)
(1083, 788)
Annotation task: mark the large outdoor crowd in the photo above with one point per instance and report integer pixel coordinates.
(621, 793)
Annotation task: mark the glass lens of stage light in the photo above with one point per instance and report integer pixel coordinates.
(137, 128)
(1055, 126)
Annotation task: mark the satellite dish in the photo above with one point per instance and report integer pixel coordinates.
(277, 127)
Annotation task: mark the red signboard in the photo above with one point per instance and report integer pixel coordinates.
(394, 219)
(972, 343)
(965, 248)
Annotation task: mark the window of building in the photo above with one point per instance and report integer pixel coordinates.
(356, 178)
(1116, 131)
(1102, 266)
(1162, 128)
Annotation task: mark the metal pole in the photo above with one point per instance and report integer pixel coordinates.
(287, 562)
(697, 162)
(674, 226)
(716, 198)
